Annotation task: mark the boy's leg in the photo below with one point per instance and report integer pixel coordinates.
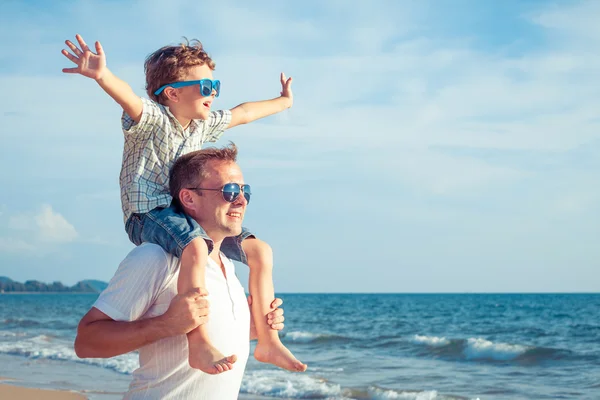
(202, 354)
(181, 236)
(269, 348)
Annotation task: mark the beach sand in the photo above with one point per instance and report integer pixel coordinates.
(8, 391)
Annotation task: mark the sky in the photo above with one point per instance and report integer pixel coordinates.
(433, 146)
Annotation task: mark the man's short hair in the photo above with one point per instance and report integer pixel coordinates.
(190, 170)
(171, 64)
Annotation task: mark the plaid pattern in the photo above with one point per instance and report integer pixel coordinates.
(151, 148)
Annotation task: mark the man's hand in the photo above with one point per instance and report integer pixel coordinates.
(274, 319)
(92, 65)
(286, 89)
(186, 312)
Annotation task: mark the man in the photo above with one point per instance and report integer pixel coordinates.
(140, 309)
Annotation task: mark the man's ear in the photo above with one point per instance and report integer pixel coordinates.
(186, 199)
(172, 94)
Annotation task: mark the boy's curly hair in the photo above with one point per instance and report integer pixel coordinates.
(171, 63)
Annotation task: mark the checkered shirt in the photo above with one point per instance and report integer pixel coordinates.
(152, 146)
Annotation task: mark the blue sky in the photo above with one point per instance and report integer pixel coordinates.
(433, 146)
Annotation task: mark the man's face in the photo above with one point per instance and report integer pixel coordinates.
(218, 217)
(192, 104)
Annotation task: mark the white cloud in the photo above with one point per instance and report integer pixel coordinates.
(19, 246)
(47, 226)
(54, 227)
(578, 19)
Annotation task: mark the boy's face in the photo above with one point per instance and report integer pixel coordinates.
(191, 104)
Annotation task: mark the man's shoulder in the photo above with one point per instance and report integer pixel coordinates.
(149, 252)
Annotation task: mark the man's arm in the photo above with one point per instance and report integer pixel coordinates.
(99, 336)
(94, 66)
(251, 111)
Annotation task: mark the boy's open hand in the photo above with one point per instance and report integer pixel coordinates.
(286, 89)
(92, 65)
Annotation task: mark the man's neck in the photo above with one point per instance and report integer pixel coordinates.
(215, 255)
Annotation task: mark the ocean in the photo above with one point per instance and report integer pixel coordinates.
(357, 346)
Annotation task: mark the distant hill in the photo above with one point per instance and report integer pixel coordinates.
(98, 286)
(87, 286)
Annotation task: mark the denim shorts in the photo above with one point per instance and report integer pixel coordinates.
(173, 231)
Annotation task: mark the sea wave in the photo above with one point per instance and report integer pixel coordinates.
(431, 340)
(11, 334)
(377, 393)
(480, 349)
(12, 323)
(383, 394)
(52, 348)
(280, 384)
(310, 337)
(477, 349)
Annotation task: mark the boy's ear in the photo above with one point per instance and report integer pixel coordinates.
(172, 94)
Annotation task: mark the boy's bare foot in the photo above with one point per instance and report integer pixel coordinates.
(277, 354)
(206, 358)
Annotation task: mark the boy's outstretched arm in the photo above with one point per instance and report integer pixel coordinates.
(93, 65)
(251, 111)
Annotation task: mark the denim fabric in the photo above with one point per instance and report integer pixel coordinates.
(173, 231)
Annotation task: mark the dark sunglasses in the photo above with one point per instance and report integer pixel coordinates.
(231, 191)
(206, 86)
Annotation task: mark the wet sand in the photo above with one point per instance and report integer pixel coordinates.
(8, 391)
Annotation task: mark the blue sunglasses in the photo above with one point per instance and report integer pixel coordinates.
(206, 86)
(231, 191)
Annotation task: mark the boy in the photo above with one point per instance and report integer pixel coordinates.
(178, 120)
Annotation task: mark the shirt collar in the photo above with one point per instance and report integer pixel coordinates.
(191, 128)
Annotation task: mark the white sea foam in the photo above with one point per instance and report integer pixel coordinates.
(383, 394)
(306, 337)
(325, 369)
(284, 385)
(8, 334)
(431, 340)
(48, 347)
(478, 348)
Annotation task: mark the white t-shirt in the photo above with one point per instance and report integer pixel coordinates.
(143, 287)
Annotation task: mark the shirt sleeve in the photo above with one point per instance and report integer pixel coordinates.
(135, 286)
(152, 114)
(216, 124)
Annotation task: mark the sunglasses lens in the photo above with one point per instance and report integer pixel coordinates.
(217, 87)
(231, 191)
(206, 88)
(247, 192)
